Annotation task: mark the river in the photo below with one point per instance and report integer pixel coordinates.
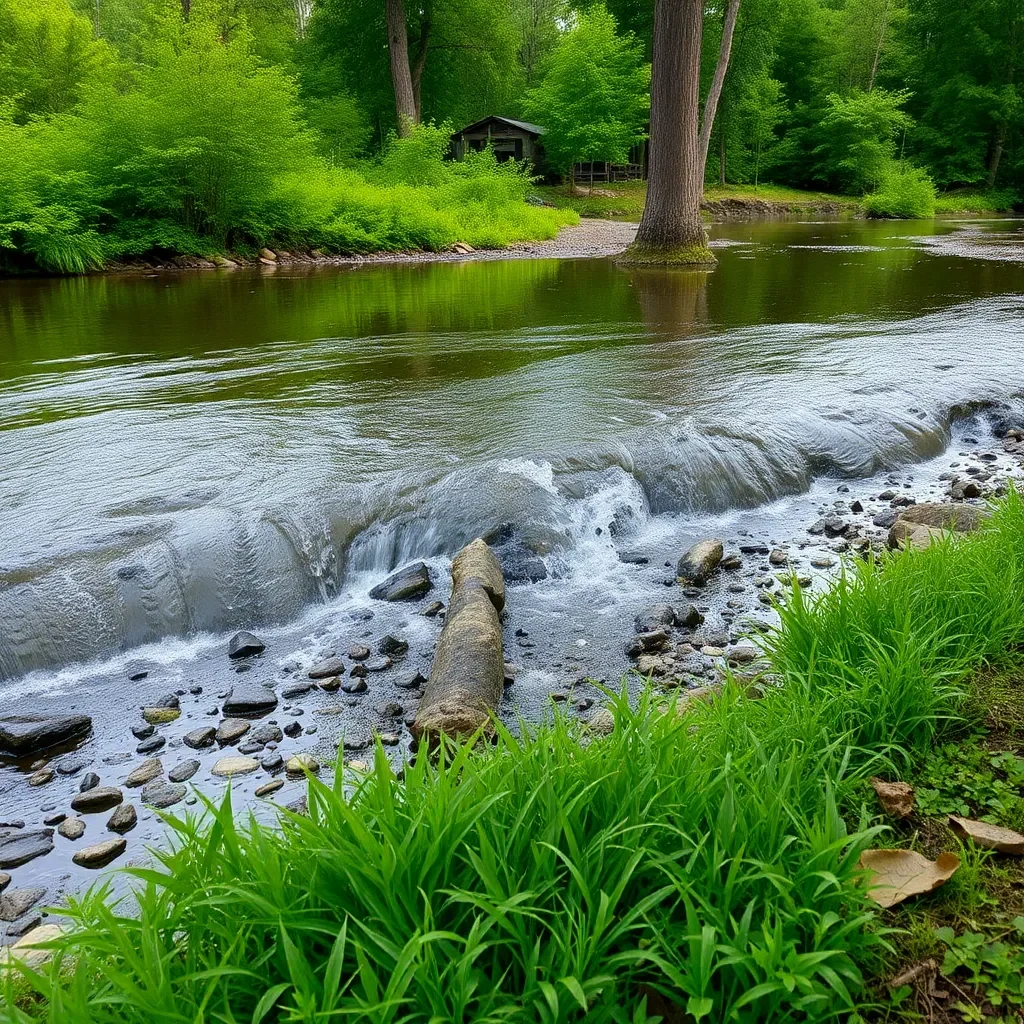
(183, 455)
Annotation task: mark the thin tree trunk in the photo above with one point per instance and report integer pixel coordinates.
(671, 230)
(401, 77)
(715, 92)
(997, 154)
(878, 49)
(419, 64)
(186, 9)
(721, 156)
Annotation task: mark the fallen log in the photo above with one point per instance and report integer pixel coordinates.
(468, 673)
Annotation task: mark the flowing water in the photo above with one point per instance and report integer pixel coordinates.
(188, 454)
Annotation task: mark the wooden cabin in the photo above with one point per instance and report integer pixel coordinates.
(510, 140)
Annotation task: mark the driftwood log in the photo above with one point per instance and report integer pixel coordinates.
(467, 677)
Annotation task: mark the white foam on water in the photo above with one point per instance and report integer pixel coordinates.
(540, 473)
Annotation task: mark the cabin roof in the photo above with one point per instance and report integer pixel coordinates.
(533, 129)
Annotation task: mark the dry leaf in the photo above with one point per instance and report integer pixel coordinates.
(991, 837)
(898, 874)
(896, 798)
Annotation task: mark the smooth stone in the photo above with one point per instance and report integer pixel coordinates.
(407, 584)
(183, 771)
(22, 847)
(71, 766)
(300, 763)
(124, 819)
(267, 732)
(327, 667)
(16, 902)
(700, 561)
(231, 730)
(392, 646)
(250, 747)
(160, 794)
(152, 745)
(381, 664)
(272, 762)
(41, 777)
(102, 798)
(245, 644)
(297, 689)
(293, 729)
(144, 731)
(71, 828)
(26, 948)
(654, 618)
(101, 854)
(330, 684)
(355, 686)
(5, 880)
(432, 610)
(146, 772)
(228, 766)
(89, 781)
(168, 700)
(54, 819)
(358, 653)
(23, 735)
(269, 788)
(358, 671)
(202, 737)
(249, 698)
(160, 716)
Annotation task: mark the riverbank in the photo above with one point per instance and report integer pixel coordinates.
(724, 840)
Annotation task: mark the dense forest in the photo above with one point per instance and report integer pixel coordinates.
(198, 126)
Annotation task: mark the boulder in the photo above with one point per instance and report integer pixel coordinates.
(245, 644)
(919, 526)
(700, 561)
(467, 677)
(21, 847)
(24, 735)
(405, 585)
(101, 854)
(250, 699)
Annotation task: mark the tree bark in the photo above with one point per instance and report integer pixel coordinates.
(401, 76)
(186, 9)
(715, 92)
(998, 145)
(419, 64)
(671, 230)
(878, 49)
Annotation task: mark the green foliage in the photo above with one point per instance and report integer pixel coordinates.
(904, 192)
(973, 783)
(593, 95)
(992, 968)
(997, 200)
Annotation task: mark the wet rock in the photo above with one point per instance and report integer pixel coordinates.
(301, 763)
(700, 561)
(381, 664)
(392, 646)
(410, 680)
(250, 747)
(358, 652)
(269, 788)
(432, 610)
(168, 700)
(16, 902)
(856, 506)
(5, 880)
(71, 828)
(405, 585)
(964, 489)
(24, 735)
(237, 765)
(920, 525)
(297, 689)
(740, 654)
(267, 732)
(885, 519)
(391, 710)
(102, 798)
(152, 745)
(124, 819)
(71, 766)
(293, 729)
(331, 684)
(231, 730)
(272, 762)
(160, 794)
(355, 686)
(358, 671)
(328, 667)
(389, 739)
(688, 616)
(730, 564)
(146, 772)
(101, 854)
(160, 716)
(778, 558)
(143, 731)
(202, 737)
(654, 617)
(649, 664)
(21, 847)
(183, 771)
(54, 819)
(753, 549)
(356, 738)
(245, 645)
(645, 643)
(249, 698)
(41, 777)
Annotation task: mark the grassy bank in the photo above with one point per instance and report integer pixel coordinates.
(706, 862)
(626, 199)
(977, 201)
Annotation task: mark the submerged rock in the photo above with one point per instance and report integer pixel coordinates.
(405, 585)
(22, 847)
(700, 561)
(23, 735)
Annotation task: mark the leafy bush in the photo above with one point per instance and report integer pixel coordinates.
(905, 192)
(993, 200)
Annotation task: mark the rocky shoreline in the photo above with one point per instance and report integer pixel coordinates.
(83, 787)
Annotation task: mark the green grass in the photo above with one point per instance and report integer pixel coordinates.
(977, 201)
(707, 863)
(626, 199)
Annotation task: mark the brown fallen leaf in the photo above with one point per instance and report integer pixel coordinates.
(991, 837)
(899, 874)
(896, 798)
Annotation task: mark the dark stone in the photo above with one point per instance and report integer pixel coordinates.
(16, 902)
(688, 617)
(835, 526)
(405, 585)
(293, 729)
(655, 617)
(231, 730)
(411, 680)
(143, 731)
(885, 519)
(168, 700)
(54, 819)
(392, 646)
(151, 745)
(754, 549)
(202, 737)
(267, 733)
(137, 677)
(646, 643)
(358, 652)
(327, 667)
(856, 506)
(358, 671)
(102, 798)
(272, 762)
(22, 735)
(250, 747)
(124, 819)
(633, 558)
(381, 664)
(355, 686)
(297, 689)
(432, 610)
(71, 766)
(245, 644)
(183, 771)
(248, 698)
(22, 847)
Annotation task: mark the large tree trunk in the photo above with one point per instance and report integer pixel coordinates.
(671, 231)
(715, 92)
(401, 76)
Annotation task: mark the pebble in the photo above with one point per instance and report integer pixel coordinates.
(146, 772)
(89, 781)
(152, 745)
(301, 763)
(144, 731)
(327, 667)
(293, 729)
(269, 788)
(100, 854)
(71, 828)
(102, 798)
(54, 819)
(41, 777)
(183, 771)
(355, 686)
(358, 653)
(272, 762)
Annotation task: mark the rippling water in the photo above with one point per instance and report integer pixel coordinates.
(198, 452)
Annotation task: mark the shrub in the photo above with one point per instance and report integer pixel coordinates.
(905, 192)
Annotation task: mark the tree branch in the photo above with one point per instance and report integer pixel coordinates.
(715, 92)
